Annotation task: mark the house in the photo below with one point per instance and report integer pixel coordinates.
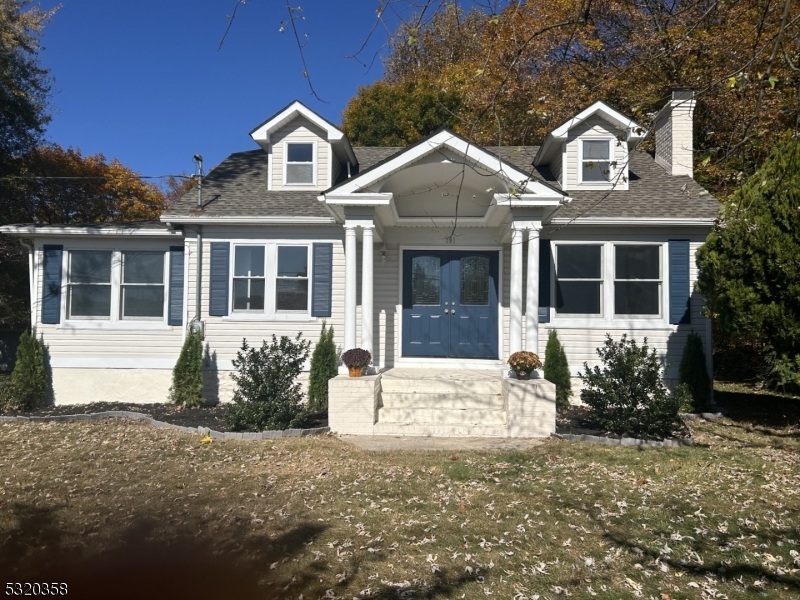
(441, 259)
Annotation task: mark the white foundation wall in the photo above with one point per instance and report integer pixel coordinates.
(131, 386)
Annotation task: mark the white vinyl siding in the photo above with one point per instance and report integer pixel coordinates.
(299, 130)
(223, 335)
(594, 128)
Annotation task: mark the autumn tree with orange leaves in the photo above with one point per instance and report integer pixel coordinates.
(521, 68)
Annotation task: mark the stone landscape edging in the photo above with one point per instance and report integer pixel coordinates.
(597, 439)
(218, 435)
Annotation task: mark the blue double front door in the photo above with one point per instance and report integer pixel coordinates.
(450, 303)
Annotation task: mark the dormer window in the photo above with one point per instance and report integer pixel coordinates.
(300, 163)
(596, 163)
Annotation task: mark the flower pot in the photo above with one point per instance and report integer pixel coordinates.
(523, 376)
(355, 371)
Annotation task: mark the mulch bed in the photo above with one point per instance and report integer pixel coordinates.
(578, 420)
(212, 417)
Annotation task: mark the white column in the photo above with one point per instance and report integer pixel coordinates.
(532, 294)
(515, 301)
(349, 287)
(366, 289)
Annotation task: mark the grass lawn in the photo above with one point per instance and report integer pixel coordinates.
(123, 510)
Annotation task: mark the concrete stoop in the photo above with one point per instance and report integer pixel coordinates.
(441, 403)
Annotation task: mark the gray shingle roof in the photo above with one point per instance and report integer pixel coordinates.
(238, 187)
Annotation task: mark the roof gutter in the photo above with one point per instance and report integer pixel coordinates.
(633, 222)
(185, 219)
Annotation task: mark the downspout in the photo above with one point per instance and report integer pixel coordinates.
(197, 323)
(199, 274)
(31, 284)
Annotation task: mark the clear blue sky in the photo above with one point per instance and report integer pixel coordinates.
(143, 81)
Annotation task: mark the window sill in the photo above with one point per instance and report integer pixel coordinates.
(117, 325)
(265, 318)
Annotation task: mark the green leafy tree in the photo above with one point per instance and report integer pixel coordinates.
(749, 267)
(384, 114)
(628, 395)
(187, 376)
(693, 372)
(267, 393)
(556, 370)
(28, 387)
(323, 368)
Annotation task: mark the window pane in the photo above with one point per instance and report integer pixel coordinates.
(292, 261)
(291, 294)
(90, 301)
(299, 173)
(249, 261)
(301, 152)
(636, 297)
(636, 262)
(578, 297)
(475, 281)
(425, 280)
(248, 294)
(596, 171)
(90, 267)
(578, 262)
(595, 149)
(142, 301)
(143, 267)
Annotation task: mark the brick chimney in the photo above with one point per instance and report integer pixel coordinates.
(673, 126)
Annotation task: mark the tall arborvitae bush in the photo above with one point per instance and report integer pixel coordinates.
(693, 372)
(187, 376)
(556, 370)
(28, 387)
(323, 368)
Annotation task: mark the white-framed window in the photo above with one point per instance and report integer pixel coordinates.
(291, 283)
(300, 164)
(116, 285)
(89, 284)
(597, 164)
(271, 278)
(611, 281)
(637, 279)
(579, 279)
(249, 278)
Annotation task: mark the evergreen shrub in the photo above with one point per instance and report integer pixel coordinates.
(267, 395)
(628, 395)
(323, 368)
(187, 375)
(28, 387)
(556, 370)
(694, 374)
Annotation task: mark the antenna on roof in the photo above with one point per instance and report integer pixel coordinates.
(199, 160)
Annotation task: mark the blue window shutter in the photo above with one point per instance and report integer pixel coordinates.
(544, 281)
(323, 280)
(175, 315)
(51, 284)
(219, 279)
(679, 291)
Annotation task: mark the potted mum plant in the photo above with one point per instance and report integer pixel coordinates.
(355, 360)
(524, 363)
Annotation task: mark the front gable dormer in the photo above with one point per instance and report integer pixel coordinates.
(591, 150)
(305, 152)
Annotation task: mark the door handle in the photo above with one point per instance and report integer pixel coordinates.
(453, 311)
(446, 311)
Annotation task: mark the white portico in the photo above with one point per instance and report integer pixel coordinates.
(447, 211)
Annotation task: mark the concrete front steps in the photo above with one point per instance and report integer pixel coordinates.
(441, 403)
